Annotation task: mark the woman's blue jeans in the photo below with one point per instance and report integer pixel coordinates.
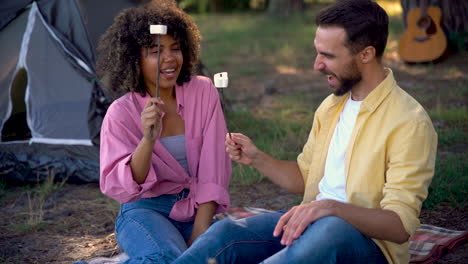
(146, 233)
(250, 240)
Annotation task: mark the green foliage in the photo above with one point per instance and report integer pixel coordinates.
(457, 41)
(3, 187)
(395, 28)
(206, 6)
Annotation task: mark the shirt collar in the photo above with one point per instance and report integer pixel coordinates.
(376, 96)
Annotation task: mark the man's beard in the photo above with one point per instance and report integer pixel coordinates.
(347, 82)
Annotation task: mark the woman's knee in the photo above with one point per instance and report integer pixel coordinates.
(144, 233)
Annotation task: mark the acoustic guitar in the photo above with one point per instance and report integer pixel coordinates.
(423, 40)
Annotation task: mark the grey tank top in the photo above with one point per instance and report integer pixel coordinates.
(175, 145)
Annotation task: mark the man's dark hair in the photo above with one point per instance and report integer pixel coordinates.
(364, 21)
(118, 63)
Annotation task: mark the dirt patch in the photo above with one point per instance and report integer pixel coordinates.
(79, 223)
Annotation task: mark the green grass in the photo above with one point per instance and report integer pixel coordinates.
(281, 137)
(252, 43)
(37, 196)
(458, 116)
(3, 187)
(26, 227)
(450, 183)
(6, 258)
(452, 126)
(255, 43)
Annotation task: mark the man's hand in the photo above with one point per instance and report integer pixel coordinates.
(283, 173)
(295, 221)
(241, 148)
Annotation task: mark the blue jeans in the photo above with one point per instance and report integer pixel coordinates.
(146, 233)
(250, 240)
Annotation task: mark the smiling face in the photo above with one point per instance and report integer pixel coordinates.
(335, 60)
(171, 60)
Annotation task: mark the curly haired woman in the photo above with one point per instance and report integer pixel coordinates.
(171, 182)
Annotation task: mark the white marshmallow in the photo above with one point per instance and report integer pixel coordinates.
(221, 80)
(158, 29)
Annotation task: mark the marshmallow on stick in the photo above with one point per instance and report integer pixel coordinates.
(157, 30)
(221, 81)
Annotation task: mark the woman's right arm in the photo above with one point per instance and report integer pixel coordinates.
(151, 123)
(122, 150)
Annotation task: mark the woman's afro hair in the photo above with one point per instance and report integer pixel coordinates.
(118, 63)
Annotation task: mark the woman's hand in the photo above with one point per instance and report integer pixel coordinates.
(151, 119)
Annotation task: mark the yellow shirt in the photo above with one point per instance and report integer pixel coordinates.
(389, 160)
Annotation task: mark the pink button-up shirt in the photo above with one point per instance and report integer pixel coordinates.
(205, 129)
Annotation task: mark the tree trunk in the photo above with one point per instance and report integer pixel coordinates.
(216, 6)
(285, 7)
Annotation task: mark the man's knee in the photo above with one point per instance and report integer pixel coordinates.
(325, 240)
(331, 226)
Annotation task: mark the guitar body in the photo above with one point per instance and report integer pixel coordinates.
(423, 43)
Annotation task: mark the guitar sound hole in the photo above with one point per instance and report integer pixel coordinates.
(428, 25)
(424, 22)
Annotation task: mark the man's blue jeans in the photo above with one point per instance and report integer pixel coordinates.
(146, 233)
(251, 240)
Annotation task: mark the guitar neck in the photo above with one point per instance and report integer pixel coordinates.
(423, 5)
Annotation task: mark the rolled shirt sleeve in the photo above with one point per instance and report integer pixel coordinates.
(214, 171)
(119, 139)
(412, 151)
(304, 159)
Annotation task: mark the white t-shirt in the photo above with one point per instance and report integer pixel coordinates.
(333, 184)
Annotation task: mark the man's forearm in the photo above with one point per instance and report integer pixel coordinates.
(285, 174)
(375, 223)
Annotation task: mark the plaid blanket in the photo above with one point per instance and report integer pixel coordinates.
(427, 245)
(430, 243)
